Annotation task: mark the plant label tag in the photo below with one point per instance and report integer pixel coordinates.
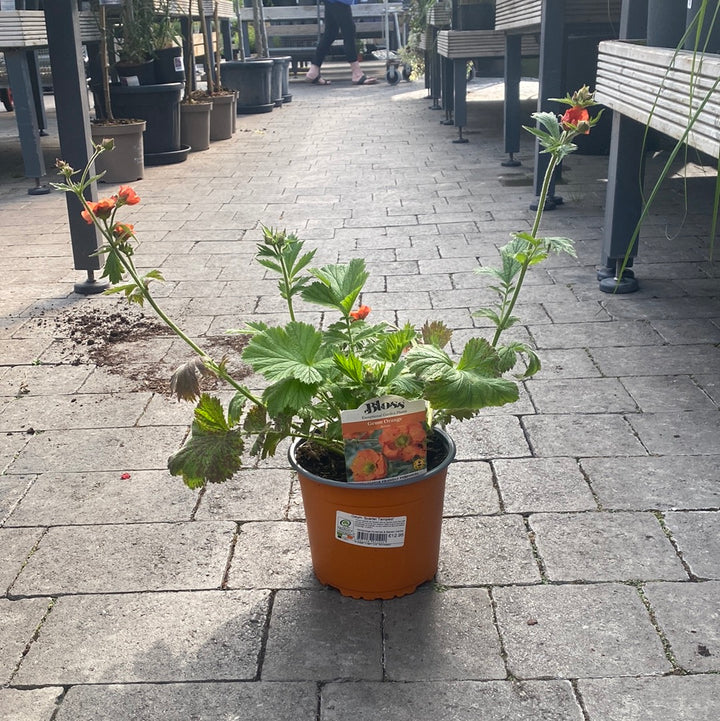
(370, 531)
(385, 439)
(179, 66)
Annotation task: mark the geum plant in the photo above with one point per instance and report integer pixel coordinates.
(313, 373)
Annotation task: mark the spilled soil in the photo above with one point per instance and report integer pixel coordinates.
(127, 341)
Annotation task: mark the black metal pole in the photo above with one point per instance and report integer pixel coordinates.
(623, 200)
(552, 46)
(513, 70)
(73, 117)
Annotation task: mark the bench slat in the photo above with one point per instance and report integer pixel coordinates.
(458, 44)
(661, 90)
(527, 14)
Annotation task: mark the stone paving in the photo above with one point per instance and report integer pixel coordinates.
(579, 577)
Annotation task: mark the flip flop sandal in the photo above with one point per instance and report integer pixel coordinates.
(319, 80)
(365, 80)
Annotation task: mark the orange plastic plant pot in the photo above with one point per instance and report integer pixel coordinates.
(375, 540)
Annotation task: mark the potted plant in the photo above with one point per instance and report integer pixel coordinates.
(197, 105)
(372, 489)
(125, 164)
(135, 39)
(167, 49)
(251, 77)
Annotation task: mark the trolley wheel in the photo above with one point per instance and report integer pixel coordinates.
(406, 72)
(392, 75)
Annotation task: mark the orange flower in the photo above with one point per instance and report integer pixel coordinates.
(368, 465)
(361, 313)
(102, 209)
(576, 118)
(403, 441)
(123, 231)
(128, 195)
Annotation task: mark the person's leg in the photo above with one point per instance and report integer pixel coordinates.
(344, 18)
(329, 35)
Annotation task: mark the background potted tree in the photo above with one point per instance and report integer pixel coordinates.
(197, 105)
(251, 77)
(125, 164)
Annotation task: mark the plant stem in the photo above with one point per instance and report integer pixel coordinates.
(526, 263)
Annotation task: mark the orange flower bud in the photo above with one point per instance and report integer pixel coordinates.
(361, 313)
(127, 195)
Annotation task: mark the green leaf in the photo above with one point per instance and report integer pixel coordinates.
(212, 452)
(295, 351)
(561, 245)
(288, 395)
(113, 269)
(337, 286)
(235, 408)
(391, 346)
(351, 366)
(436, 333)
(255, 419)
(472, 384)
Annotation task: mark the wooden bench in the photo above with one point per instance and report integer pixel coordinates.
(461, 46)
(295, 30)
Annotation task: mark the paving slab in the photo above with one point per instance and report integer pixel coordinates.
(657, 482)
(605, 547)
(687, 613)
(658, 394)
(12, 490)
(452, 701)
(16, 545)
(490, 438)
(272, 555)
(323, 636)
(197, 701)
(594, 434)
(577, 631)
(148, 637)
(581, 395)
(435, 634)
(132, 557)
(57, 498)
(124, 449)
(252, 495)
(697, 535)
(469, 489)
(687, 434)
(37, 704)
(483, 550)
(18, 623)
(542, 484)
(670, 698)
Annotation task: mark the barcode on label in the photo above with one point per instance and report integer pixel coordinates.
(372, 537)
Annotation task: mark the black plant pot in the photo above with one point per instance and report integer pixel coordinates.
(280, 72)
(159, 106)
(252, 79)
(136, 73)
(169, 66)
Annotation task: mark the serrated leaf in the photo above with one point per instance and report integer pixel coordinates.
(288, 395)
(235, 408)
(469, 390)
(212, 452)
(351, 366)
(561, 245)
(113, 269)
(337, 286)
(255, 419)
(295, 351)
(436, 333)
